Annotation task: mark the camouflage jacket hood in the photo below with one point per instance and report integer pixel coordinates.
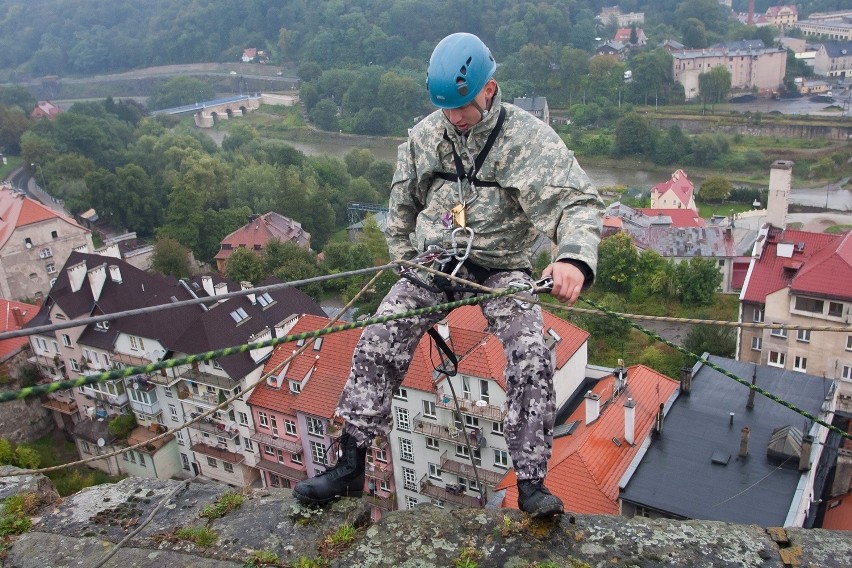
(530, 182)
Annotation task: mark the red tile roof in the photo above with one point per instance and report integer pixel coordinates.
(679, 184)
(45, 109)
(817, 256)
(586, 466)
(13, 316)
(255, 234)
(828, 272)
(329, 369)
(679, 217)
(18, 210)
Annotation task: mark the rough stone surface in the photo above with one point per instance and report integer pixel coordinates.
(135, 521)
(23, 421)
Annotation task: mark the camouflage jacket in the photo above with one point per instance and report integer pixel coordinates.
(541, 188)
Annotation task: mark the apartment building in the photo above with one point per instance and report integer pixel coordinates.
(836, 26)
(834, 59)
(433, 443)
(799, 278)
(35, 241)
(218, 446)
(750, 63)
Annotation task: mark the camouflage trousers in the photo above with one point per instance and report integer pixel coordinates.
(384, 352)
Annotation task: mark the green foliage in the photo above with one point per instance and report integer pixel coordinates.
(305, 562)
(260, 558)
(27, 458)
(180, 91)
(203, 537)
(713, 339)
(7, 452)
(243, 265)
(170, 258)
(223, 505)
(122, 425)
(14, 518)
(344, 534)
(617, 263)
(634, 135)
(715, 189)
(698, 281)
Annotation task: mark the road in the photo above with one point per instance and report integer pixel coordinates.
(22, 180)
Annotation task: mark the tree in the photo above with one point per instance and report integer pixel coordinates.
(180, 91)
(324, 115)
(715, 189)
(634, 134)
(714, 339)
(714, 85)
(244, 266)
(698, 280)
(617, 263)
(358, 161)
(694, 34)
(170, 258)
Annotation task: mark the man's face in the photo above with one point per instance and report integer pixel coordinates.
(464, 118)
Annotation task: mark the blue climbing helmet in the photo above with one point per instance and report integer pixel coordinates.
(458, 69)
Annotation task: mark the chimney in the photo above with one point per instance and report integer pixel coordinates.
(593, 407)
(629, 421)
(750, 21)
(207, 284)
(220, 288)
(744, 433)
(76, 275)
(805, 456)
(658, 423)
(97, 278)
(620, 376)
(751, 392)
(780, 180)
(842, 473)
(444, 329)
(245, 285)
(686, 380)
(115, 273)
(18, 316)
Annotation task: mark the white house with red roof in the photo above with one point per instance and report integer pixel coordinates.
(622, 35)
(799, 278)
(431, 457)
(600, 441)
(35, 242)
(45, 109)
(675, 193)
(259, 230)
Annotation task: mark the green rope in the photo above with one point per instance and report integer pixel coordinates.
(37, 390)
(724, 372)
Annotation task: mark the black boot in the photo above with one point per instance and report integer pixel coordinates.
(345, 479)
(535, 499)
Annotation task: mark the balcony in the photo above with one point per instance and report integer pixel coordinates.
(487, 411)
(294, 447)
(386, 503)
(210, 426)
(207, 379)
(219, 451)
(380, 471)
(486, 476)
(205, 399)
(114, 399)
(428, 488)
(281, 469)
(130, 360)
(60, 406)
(449, 432)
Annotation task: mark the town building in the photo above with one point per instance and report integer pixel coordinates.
(750, 63)
(723, 452)
(35, 241)
(602, 439)
(14, 316)
(831, 26)
(678, 192)
(614, 48)
(612, 15)
(433, 443)
(536, 106)
(45, 109)
(834, 59)
(259, 230)
(782, 17)
(623, 35)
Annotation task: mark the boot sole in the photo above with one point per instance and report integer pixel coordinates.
(306, 499)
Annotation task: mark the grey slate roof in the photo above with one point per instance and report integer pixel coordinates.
(677, 475)
(531, 104)
(836, 49)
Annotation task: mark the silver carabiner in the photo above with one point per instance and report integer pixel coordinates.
(460, 258)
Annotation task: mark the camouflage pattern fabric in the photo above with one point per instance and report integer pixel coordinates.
(384, 352)
(541, 188)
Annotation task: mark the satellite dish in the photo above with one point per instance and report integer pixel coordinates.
(101, 442)
(135, 385)
(481, 403)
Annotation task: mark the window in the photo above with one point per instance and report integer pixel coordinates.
(803, 335)
(384, 485)
(212, 462)
(777, 359)
(483, 390)
(136, 343)
(28, 242)
(409, 479)
(243, 418)
(800, 363)
(273, 425)
(66, 340)
(402, 421)
(778, 332)
(756, 343)
(290, 427)
(847, 372)
(265, 299)
(435, 471)
(497, 428)
(295, 386)
(54, 234)
(381, 456)
(45, 253)
(466, 388)
(75, 366)
(758, 315)
(50, 268)
(318, 453)
(168, 391)
(179, 436)
(239, 315)
(248, 445)
(432, 443)
(410, 502)
(296, 458)
(406, 450)
(401, 394)
(809, 305)
(835, 309)
(471, 421)
(263, 419)
(228, 467)
(501, 458)
(429, 409)
(142, 459)
(315, 426)
(184, 461)
(849, 343)
(268, 450)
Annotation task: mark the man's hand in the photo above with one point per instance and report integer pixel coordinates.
(567, 281)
